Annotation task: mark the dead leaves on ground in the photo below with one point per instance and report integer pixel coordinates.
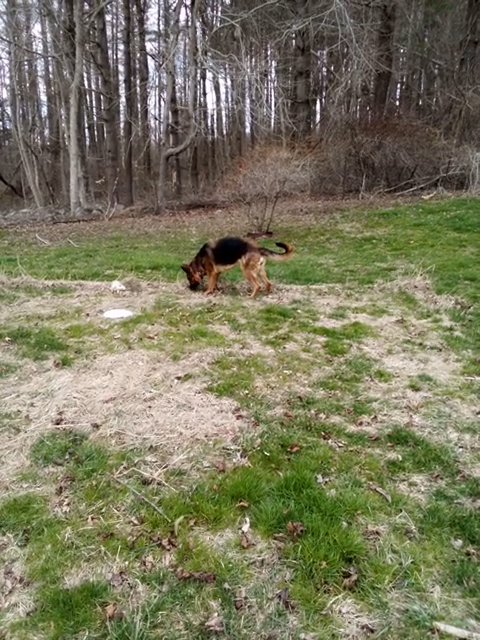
(215, 624)
(295, 529)
(285, 600)
(113, 612)
(197, 576)
(246, 540)
(350, 578)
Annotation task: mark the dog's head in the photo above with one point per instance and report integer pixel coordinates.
(194, 276)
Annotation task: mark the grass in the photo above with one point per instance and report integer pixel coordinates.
(333, 538)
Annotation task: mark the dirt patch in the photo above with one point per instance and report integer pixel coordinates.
(353, 622)
(16, 597)
(86, 299)
(419, 486)
(217, 216)
(132, 399)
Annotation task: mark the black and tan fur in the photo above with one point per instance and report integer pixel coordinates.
(226, 253)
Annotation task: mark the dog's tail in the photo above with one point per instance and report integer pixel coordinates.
(288, 251)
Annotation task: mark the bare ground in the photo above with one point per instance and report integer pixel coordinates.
(142, 398)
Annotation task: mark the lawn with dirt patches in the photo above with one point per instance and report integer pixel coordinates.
(303, 465)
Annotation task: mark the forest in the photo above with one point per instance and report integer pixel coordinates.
(107, 103)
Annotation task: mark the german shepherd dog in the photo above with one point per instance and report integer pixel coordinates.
(226, 253)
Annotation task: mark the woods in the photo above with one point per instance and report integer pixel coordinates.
(113, 103)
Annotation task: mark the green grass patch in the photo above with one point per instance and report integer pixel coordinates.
(69, 612)
(37, 343)
(419, 454)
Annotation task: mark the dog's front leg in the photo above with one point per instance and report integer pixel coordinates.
(212, 283)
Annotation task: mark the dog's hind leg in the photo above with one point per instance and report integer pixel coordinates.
(250, 272)
(264, 278)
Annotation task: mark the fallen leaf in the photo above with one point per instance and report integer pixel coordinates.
(167, 560)
(350, 578)
(64, 484)
(243, 504)
(240, 601)
(295, 448)
(169, 543)
(62, 506)
(113, 612)
(246, 540)
(199, 576)
(283, 597)
(374, 533)
(280, 537)
(215, 624)
(148, 563)
(333, 442)
(118, 579)
(220, 466)
(295, 529)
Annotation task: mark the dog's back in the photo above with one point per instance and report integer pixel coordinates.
(228, 251)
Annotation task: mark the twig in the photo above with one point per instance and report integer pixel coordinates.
(148, 476)
(72, 242)
(142, 497)
(456, 632)
(41, 239)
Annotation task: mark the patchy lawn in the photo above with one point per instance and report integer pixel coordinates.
(304, 465)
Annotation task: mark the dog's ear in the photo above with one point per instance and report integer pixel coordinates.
(185, 268)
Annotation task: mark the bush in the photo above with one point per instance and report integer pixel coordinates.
(392, 156)
(265, 175)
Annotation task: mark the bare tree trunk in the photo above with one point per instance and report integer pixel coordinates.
(384, 57)
(20, 115)
(301, 114)
(127, 128)
(77, 195)
(108, 106)
(53, 119)
(469, 74)
(166, 151)
(219, 143)
(145, 143)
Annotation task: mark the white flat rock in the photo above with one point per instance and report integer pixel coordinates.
(118, 314)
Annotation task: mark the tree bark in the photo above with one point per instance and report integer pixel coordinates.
(77, 194)
(127, 127)
(108, 106)
(384, 57)
(145, 142)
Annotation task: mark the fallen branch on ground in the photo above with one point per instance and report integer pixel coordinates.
(142, 497)
(456, 632)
